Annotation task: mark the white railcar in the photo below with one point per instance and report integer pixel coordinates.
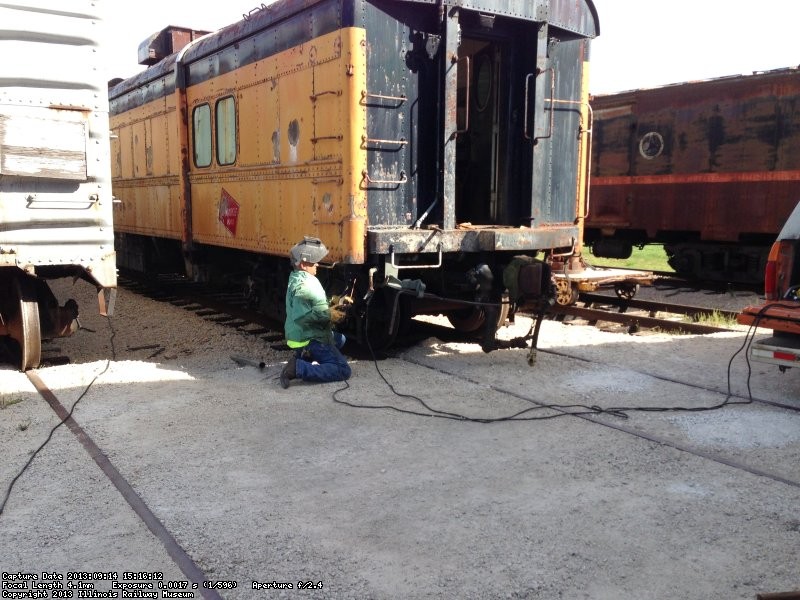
(55, 175)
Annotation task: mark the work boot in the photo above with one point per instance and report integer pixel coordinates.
(289, 371)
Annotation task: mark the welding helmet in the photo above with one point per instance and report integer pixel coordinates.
(310, 250)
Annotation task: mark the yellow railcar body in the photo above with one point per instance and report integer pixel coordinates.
(146, 170)
(300, 153)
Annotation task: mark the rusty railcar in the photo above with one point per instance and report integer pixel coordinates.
(55, 174)
(710, 168)
(427, 143)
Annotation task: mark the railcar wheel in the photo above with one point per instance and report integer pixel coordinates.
(24, 325)
(566, 293)
(472, 319)
(626, 291)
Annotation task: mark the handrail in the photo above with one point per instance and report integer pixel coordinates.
(365, 95)
(552, 100)
(416, 266)
(588, 132)
(365, 140)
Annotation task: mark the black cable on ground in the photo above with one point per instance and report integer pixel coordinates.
(567, 409)
(64, 420)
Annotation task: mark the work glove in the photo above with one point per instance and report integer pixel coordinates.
(340, 301)
(338, 314)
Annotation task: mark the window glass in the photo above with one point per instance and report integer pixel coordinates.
(483, 81)
(226, 131)
(201, 135)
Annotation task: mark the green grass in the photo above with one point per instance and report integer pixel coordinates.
(716, 319)
(6, 401)
(650, 258)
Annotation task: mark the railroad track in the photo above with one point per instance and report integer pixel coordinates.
(643, 314)
(228, 307)
(156, 517)
(182, 559)
(222, 306)
(194, 573)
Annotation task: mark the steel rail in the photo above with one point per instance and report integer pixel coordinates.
(654, 306)
(595, 314)
(184, 562)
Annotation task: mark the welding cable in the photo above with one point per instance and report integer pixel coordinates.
(750, 338)
(563, 409)
(746, 344)
(65, 419)
(762, 313)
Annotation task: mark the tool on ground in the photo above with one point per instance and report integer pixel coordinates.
(248, 362)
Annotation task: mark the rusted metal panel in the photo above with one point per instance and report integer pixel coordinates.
(165, 42)
(729, 209)
(488, 239)
(450, 66)
(716, 159)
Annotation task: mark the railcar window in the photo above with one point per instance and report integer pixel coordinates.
(483, 82)
(226, 131)
(201, 135)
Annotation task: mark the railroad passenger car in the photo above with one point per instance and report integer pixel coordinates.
(710, 168)
(427, 143)
(55, 173)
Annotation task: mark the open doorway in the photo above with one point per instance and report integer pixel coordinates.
(480, 132)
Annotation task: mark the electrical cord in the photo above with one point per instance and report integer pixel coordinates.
(563, 409)
(65, 419)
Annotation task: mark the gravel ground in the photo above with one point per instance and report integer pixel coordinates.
(260, 484)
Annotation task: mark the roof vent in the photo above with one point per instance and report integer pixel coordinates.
(166, 42)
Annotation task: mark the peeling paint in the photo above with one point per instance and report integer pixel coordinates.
(276, 146)
(293, 135)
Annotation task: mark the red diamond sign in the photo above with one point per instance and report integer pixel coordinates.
(228, 211)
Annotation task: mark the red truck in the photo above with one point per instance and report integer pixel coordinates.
(781, 308)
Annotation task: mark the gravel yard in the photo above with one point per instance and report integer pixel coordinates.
(260, 485)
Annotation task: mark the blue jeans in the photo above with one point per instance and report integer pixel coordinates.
(330, 365)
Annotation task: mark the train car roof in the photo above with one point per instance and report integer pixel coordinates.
(576, 16)
(669, 88)
(579, 17)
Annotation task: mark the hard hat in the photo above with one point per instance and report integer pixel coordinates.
(310, 250)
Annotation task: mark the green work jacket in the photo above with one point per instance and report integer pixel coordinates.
(307, 314)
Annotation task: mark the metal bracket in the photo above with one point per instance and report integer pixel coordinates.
(338, 138)
(365, 140)
(368, 180)
(365, 95)
(318, 94)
